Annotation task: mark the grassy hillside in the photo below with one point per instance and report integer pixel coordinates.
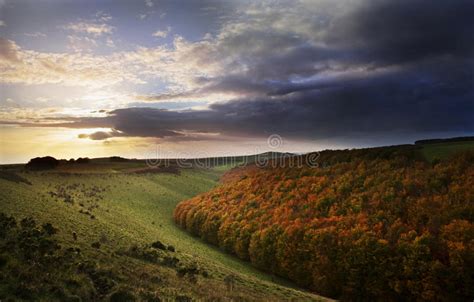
(442, 150)
(114, 218)
(368, 224)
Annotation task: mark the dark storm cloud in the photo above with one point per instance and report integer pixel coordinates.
(388, 31)
(396, 104)
(386, 67)
(376, 34)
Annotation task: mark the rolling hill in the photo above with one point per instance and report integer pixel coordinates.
(113, 224)
(391, 223)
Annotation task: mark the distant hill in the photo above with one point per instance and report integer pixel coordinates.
(49, 162)
(445, 140)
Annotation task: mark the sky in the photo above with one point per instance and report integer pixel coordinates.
(190, 78)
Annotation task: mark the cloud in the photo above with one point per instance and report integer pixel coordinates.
(78, 44)
(275, 49)
(149, 3)
(90, 28)
(79, 69)
(103, 17)
(312, 69)
(288, 46)
(2, 23)
(110, 43)
(97, 26)
(100, 135)
(88, 34)
(162, 33)
(167, 96)
(8, 52)
(394, 104)
(391, 32)
(36, 35)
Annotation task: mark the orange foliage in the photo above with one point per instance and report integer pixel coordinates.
(372, 224)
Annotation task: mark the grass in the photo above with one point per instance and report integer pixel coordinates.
(443, 150)
(120, 210)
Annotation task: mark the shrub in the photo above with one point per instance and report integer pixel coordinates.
(42, 163)
(183, 298)
(96, 245)
(49, 229)
(122, 295)
(158, 245)
(83, 160)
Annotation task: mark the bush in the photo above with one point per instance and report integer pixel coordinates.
(83, 160)
(170, 261)
(183, 298)
(158, 245)
(117, 159)
(49, 229)
(96, 245)
(122, 296)
(42, 163)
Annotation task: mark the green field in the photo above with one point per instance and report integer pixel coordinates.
(120, 210)
(442, 150)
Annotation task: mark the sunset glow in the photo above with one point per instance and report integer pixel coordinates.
(169, 73)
